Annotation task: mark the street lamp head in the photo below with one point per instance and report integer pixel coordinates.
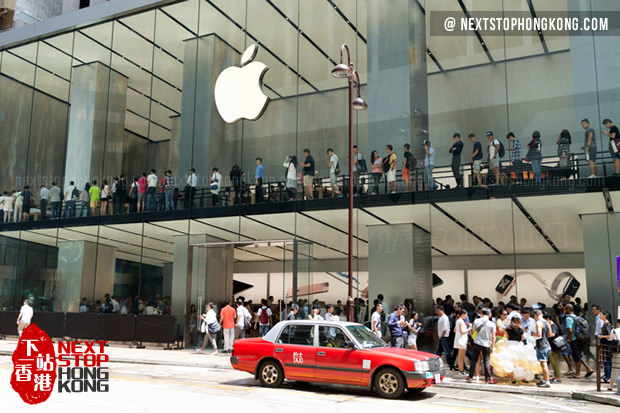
(341, 71)
(359, 103)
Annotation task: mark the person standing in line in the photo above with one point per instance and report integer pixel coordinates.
(85, 199)
(19, 205)
(429, 164)
(121, 195)
(151, 191)
(359, 167)
(414, 326)
(161, 201)
(190, 189)
(208, 319)
(589, 146)
(329, 312)
(7, 205)
(27, 197)
(395, 324)
(494, 158)
(461, 338)
(334, 168)
(316, 313)
(564, 142)
(598, 323)
(614, 149)
(293, 312)
(25, 317)
(575, 344)
(264, 318)
(244, 318)
(69, 200)
(114, 195)
(169, 188)
(554, 356)
(534, 155)
(483, 344)
(133, 195)
(375, 320)
(55, 200)
(391, 171)
(375, 165)
(443, 334)
(515, 155)
(409, 165)
(105, 197)
(528, 323)
(542, 334)
(216, 184)
(290, 163)
(606, 338)
(476, 159)
(236, 175)
(2, 198)
(455, 150)
(95, 194)
(258, 181)
(45, 197)
(142, 193)
(228, 320)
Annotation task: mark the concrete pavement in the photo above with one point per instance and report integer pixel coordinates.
(584, 389)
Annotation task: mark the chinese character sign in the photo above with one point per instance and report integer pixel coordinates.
(34, 366)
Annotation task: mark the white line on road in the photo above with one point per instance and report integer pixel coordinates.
(566, 409)
(478, 400)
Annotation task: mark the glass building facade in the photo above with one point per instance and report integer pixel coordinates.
(135, 93)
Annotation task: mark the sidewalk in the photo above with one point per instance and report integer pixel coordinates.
(583, 389)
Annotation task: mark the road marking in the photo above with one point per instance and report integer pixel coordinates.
(508, 403)
(547, 403)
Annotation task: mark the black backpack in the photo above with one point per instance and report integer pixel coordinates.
(502, 150)
(75, 194)
(361, 166)
(582, 329)
(385, 163)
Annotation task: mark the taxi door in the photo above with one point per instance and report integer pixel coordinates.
(334, 362)
(296, 351)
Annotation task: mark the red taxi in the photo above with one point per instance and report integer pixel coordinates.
(335, 352)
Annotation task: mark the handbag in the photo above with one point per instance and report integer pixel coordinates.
(214, 327)
(560, 343)
(203, 327)
(615, 145)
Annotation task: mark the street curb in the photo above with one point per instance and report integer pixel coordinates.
(612, 401)
(508, 389)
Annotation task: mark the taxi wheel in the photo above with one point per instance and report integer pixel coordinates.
(389, 383)
(271, 374)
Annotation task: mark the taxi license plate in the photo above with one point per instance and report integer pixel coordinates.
(429, 375)
(437, 378)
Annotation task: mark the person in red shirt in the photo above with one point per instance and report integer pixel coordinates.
(228, 318)
(141, 192)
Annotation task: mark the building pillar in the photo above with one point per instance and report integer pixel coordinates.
(601, 247)
(96, 139)
(204, 59)
(400, 266)
(85, 269)
(397, 76)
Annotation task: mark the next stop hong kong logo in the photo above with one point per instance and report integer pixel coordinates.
(78, 366)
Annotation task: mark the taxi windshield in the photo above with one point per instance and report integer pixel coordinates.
(365, 337)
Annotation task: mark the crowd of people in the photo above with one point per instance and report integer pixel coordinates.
(129, 305)
(151, 192)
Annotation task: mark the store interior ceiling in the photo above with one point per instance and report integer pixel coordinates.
(546, 224)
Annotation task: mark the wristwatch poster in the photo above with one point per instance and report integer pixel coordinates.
(563, 284)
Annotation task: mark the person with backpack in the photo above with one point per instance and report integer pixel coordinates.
(534, 155)
(564, 142)
(264, 318)
(389, 168)
(121, 195)
(558, 344)
(607, 344)
(495, 156)
(85, 198)
(359, 167)
(244, 320)
(578, 332)
(133, 195)
(409, 165)
(290, 163)
(70, 198)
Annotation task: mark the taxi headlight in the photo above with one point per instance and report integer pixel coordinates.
(421, 366)
(441, 363)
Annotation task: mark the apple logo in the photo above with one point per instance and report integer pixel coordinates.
(238, 90)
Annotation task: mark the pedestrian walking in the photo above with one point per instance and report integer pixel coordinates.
(25, 317)
(483, 344)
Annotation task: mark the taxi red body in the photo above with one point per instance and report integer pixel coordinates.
(335, 352)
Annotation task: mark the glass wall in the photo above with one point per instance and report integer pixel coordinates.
(135, 94)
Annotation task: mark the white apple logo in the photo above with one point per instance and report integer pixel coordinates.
(238, 90)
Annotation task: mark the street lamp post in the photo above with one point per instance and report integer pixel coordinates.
(348, 71)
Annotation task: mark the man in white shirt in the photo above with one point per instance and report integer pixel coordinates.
(190, 188)
(443, 333)
(151, 191)
(69, 201)
(216, 185)
(375, 320)
(24, 317)
(511, 314)
(494, 159)
(333, 176)
(598, 323)
(115, 305)
(243, 315)
(527, 323)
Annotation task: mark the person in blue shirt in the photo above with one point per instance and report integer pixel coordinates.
(476, 158)
(258, 176)
(456, 150)
(429, 164)
(396, 326)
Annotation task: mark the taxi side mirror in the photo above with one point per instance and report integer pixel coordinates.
(350, 345)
